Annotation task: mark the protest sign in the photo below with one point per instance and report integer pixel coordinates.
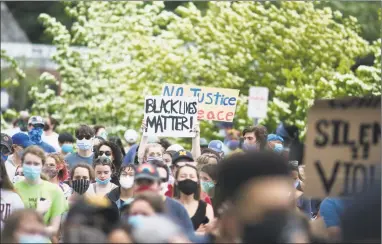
(170, 116)
(258, 102)
(342, 149)
(213, 103)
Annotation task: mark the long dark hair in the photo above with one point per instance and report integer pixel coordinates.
(117, 155)
(176, 188)
(5, 182)
(116, 140)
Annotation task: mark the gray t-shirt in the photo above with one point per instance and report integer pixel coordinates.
(74, 158)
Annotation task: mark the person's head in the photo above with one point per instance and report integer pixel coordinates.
(147, 178)
(103, 168)
(187, 182)
(131, 136)
(55, 166)
(208, 177)
(275, 143)
(207, 158)
(117, 141)
(110, 150)
(82, 175)
(164, 174)
(121, 234)
(255, 135)
(147, 204)
(167, 158)
(50, 124)
(35, 128)
(203, 144)
(33, 159)
(174, 148)
(217, 146)
(20, 142)
(5, 182)
(293, 168)
(164, 143)
(182, 158)
(85, 137)
(154, 150)
(126, 176)
(24, 226)
(6, 146)
(66, 141)
(100, 130)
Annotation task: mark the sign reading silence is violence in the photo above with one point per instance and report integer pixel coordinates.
(216, 104)
(343, 146)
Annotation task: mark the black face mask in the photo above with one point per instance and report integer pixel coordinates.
(188, 186)
(80, 186)
(46, 127)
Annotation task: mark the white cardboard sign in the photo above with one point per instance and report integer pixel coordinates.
(258, 102)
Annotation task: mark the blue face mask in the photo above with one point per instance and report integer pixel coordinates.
(4, 158)
(135, 220)
(31, 172)
(67, 148)
(28, 238)
(207, 186)
(103, 182)
(249, 147)
(278, 148)
(35, 135)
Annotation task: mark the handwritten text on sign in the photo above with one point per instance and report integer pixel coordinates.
(170, 116)
(343, 146)
(214, 103)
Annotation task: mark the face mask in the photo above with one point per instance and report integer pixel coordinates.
(51, 173)
(278, 147)
(249, 147)
(17, 178)
(126, 181)
(80, 186)
(67, 148)
(84, 144)
(4, 158)
(35, 135)
(207, 186)
(188, 186)
(150, 159)
(103, 135)
(103, 182)
(27, 238)
(135, 220)
(31, 172)
(164, 188)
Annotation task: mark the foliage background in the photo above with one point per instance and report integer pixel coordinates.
(301, 51)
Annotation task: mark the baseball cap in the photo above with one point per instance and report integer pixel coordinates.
(6, 141)
(146, 171)
(175, 148)
(182, 154)
(216, 145)
(21, 139)
(274, 137)
(131, 136)
(203, 142)
(36, 120)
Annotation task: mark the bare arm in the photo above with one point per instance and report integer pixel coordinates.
(53, 228)
(195, 151)
(143, 143)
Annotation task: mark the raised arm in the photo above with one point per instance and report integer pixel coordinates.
(143, 143)
(195, 151)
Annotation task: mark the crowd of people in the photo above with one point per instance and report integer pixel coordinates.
(94, 188)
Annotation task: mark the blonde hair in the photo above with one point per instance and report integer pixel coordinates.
(34, 150)
(150, 145)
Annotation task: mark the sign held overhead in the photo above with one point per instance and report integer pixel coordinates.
(258, 102)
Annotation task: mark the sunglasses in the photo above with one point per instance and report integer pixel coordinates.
(87, 137)
(38, 126)
(107, 153)
(163, 180)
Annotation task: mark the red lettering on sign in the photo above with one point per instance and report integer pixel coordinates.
(229, 116)
(220, 118)
(211, 115)
(200, 114)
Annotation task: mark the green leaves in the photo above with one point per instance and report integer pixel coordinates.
(301, 53)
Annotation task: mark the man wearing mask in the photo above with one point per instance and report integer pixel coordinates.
(20, 142)
(35, 130)
(66, 141)
(85, 139)
(49, 135)
(255, 138)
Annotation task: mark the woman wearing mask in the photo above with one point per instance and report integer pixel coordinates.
(113, 152)
(208, 178)
(103, 168)
(81, 176)
(39, 194)
(56, 171)
(187, 191)
(10, 200)
(125, 192)
(24, 226)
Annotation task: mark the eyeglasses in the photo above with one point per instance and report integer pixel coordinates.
(163, 180)
(87, 137)
(107, 153)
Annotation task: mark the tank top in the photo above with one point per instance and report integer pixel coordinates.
(199, 215)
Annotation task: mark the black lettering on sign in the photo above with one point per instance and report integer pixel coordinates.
(150, 105)
(366, 102)
(328, 183)
(321, 125)
(359, 171)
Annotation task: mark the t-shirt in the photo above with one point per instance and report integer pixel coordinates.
(92, 189)
(331, 210)
(52, 140)
(46, 147)
(10, 201)
(74, 158)
(31, 194)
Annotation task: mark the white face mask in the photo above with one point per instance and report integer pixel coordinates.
(164, 188)
(126, 181)
(85, 144)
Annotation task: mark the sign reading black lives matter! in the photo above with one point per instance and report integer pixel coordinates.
(343, 146)
(170, 116)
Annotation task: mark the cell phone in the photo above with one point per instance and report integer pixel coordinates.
(206, 220)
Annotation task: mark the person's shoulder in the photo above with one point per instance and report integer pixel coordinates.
(173, 203)
(70, 156)
(48, 186)
(19, 184)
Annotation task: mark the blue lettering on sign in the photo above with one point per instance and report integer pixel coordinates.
(168, 92)
(215, 98)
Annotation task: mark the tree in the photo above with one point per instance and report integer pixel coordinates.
(299, 52)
